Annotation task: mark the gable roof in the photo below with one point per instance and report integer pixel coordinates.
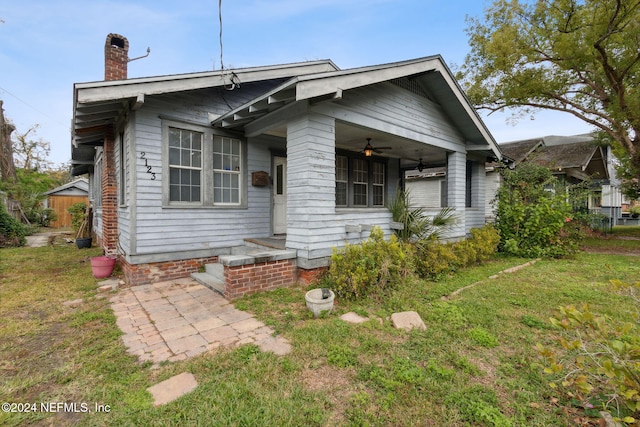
(520, 150)
(430, 73)
(97, 105)
(80, 184)
(576, 155)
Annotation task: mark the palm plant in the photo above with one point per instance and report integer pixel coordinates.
(417, 225)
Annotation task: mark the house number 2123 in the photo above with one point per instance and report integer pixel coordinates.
(146, 164)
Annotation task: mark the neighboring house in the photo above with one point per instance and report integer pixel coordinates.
(572, 159)
(185, 169)
(61, 198)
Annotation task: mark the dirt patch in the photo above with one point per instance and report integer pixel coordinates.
(611, 251)
(337, 384)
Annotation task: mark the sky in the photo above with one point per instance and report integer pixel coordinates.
(47, 46)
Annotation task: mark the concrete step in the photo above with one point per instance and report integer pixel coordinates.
(210, 281)
(216, 270)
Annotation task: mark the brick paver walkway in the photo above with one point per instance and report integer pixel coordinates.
(177, 319)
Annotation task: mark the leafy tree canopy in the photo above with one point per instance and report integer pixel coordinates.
(576, 56)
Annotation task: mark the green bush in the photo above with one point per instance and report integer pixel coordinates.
(535, 215)
(599, 357)
(369, 268)
(78, 214)
(12, 231)
(434, 260)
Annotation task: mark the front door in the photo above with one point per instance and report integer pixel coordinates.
(279, 216)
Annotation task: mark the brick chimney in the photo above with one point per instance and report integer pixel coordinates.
(116, 56)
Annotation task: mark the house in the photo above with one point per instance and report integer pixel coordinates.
(61, 198)
(188, 170)
(572, 159)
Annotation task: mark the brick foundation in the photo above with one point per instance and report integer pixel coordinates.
(141, 274)
(307, 277)
(265, 276)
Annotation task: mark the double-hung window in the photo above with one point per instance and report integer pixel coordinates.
(378, 183)
(185, 165)
(227, 158)
(342, 181)
(360, 182)
(204, 168)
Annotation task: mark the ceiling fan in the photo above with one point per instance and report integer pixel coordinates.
(369, 149)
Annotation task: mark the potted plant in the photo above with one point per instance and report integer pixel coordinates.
(102, 266)
(80, 221)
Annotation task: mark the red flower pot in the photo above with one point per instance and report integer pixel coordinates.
(102, 266)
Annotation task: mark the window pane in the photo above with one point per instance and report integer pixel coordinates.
(360, 194)
(378, 195)
(341, 194)
(174, 193)
(174, 156)
(378, 173)
(174, 137)
(196, 159)
(279, 178)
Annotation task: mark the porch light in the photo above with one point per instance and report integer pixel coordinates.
(420, 166)
(368, 149)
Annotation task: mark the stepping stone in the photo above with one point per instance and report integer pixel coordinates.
(173, 388)
(352, 317)
(278, 345)
(407, 320)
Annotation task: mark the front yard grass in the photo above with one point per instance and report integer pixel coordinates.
(476, 364)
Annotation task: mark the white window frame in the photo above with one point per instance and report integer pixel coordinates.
(191, 152)
(342, 177)
(230, 165)
(378, 174)
(207, 171)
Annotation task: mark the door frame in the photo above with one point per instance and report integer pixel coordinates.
(279, 196)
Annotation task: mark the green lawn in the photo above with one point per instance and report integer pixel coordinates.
(476, 363)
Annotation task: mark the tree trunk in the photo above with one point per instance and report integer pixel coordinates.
(7, 167)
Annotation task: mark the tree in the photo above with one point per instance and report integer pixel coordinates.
(30, 153)
(575, 56)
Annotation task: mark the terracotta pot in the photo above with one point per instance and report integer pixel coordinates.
(102, 266)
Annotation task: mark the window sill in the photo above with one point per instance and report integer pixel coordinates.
(201, 207)
(360, 210)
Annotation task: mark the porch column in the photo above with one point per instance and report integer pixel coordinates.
(311, 186)
(109, 197)
(457, 189)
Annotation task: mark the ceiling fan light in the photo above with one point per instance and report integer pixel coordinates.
(368, 150)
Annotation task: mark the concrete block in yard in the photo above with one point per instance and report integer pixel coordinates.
(352, 317)
(173, 388)
(407, 320)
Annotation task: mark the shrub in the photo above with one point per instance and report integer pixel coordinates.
(534, 216)
(599, 357)
(12, 231)
(78, 214)
(369, 268)
(433, 259)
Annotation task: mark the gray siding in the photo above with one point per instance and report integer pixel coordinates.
(183, 231)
